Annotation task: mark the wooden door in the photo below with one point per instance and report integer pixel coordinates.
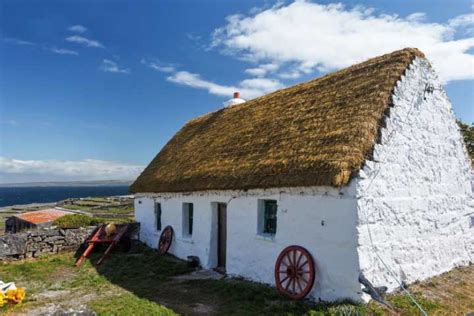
(221, 235)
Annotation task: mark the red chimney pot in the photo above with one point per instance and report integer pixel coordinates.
(236, 95)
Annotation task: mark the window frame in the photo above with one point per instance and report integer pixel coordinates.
(188, 219)
(158, 222)
(264, 217)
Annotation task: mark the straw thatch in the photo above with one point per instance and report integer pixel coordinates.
(316, 133)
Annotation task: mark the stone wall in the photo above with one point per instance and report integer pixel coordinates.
(35, 243)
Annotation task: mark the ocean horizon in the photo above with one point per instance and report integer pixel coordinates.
(15, 195)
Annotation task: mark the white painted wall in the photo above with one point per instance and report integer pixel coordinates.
(250, 255)
(415, 197)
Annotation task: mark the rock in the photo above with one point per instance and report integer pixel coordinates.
(32, 247)
(53, 239)
(12, 245)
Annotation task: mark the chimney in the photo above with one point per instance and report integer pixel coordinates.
(235, 100)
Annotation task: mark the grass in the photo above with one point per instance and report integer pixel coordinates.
(141, 282)
(111, 209)
(128, 304)
(75, 207)
(108, 211)
(451, 293)
(76, 221)
(107, 284)
(79, 220)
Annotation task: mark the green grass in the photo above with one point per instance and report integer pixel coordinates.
(113, 283)
(37, 270)
(76, 207)
(79, 220)
(113, 210)
(140, 283)
(129, 304)
(239, 297)
(76, 221)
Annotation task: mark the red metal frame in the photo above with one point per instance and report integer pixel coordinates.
(294, 272)
(100, 237)
(166, 238)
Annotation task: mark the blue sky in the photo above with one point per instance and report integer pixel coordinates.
(94, 89)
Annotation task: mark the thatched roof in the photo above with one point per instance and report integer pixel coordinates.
(315, 133)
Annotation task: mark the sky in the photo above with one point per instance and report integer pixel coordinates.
(92, 90)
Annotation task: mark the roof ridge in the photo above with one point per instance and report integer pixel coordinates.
(412, 51)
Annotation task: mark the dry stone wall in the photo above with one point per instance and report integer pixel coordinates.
(40, 242)
(35, 243)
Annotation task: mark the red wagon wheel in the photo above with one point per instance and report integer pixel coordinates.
(166, 238)
(294, 272)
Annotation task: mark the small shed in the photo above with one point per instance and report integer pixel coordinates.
(33, 219)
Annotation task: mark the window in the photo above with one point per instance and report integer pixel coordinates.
(188, 210)
(267, 217)
(158, 216)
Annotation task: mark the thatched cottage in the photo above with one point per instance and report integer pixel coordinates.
(362, 171)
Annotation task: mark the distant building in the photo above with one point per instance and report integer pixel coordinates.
(34, 219)
(361, 171)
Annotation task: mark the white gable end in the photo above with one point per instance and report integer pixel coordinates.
(414, 196)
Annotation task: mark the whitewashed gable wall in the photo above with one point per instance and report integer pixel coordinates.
(414, 196)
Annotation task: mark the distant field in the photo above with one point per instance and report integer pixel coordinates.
(103, 207)
(112, 208)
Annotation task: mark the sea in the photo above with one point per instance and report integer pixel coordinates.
(47, 194)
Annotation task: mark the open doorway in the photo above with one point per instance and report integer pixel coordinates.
(221, 237)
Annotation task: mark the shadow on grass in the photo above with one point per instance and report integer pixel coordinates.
(149, 276)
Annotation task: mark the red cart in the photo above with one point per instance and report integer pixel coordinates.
(100, 237)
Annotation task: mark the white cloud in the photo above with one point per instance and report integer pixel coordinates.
(262, 70)
(111, 66)
(84, 41)
(310, 36)
(55, 170)
(462, 20)
(249, 88)
(417, 17)
(291, 74)
(158, 66)
(77, 28)
(63, 51)
(9, 122)
(17, 41)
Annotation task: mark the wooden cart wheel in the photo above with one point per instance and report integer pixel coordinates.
(294, 272)
(165, 240)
